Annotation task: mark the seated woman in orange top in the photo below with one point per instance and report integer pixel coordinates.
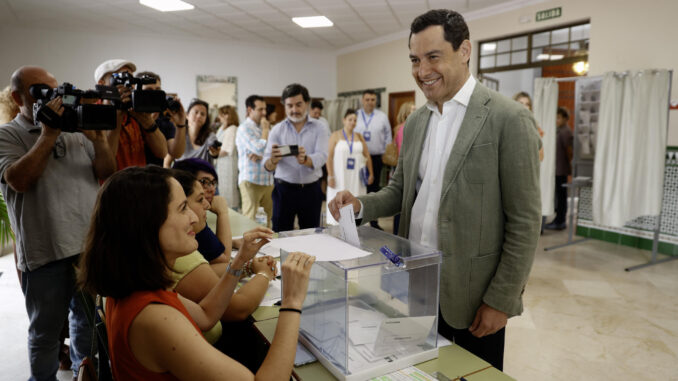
(140, 226)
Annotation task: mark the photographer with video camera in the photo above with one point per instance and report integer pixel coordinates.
(136, 128)
(50, 181)
(171, 122)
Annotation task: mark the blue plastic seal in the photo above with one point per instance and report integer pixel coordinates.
(393, 257)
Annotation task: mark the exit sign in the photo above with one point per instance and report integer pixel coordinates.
(549, 14)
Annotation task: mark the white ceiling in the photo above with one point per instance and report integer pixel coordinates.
(256, 21)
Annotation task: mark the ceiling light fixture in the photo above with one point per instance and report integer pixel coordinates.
(312, 22)
(556, 57)
(167, 5)
(581, 67)
(542, 57)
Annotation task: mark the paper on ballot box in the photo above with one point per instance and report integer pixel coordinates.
(323, 246)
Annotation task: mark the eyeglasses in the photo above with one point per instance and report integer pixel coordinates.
(207, 182)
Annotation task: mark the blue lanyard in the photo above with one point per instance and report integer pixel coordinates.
(367, 122)
(350, 146)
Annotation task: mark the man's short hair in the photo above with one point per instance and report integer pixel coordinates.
(454, 26)
(249, 102)
(270, 109)
(150, 74)
(370, 92)
(293, 90)
(316, 104)
(562, 111)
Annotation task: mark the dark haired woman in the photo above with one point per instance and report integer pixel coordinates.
(199, 139)
(347, 155)
(141, 224)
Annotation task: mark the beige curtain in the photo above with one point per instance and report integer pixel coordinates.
(545, 108)
(628, 174)
(335, 109)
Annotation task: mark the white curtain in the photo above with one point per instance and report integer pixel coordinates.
(335, 109)
(628, 174)
(545, 108)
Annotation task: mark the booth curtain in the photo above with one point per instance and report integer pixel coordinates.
(335, 109)
(545, 108)
(628, 175)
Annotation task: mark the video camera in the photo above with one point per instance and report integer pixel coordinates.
(76, 115)
(143, 100)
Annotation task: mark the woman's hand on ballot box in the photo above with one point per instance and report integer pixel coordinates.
(295, 273)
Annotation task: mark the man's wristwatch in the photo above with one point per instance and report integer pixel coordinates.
(234, 272)
(152, 129)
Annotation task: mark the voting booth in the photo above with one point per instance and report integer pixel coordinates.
(369, 310)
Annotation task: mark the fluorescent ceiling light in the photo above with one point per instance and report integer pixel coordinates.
(489, 47)
(556, 57)
(542, 57)
(167, 5)
(312, 22)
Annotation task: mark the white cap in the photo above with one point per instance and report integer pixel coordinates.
(111, 66)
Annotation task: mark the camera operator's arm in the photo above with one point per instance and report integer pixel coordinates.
(113, 136)
(104, 159)
(177, 146)
(152, 135)
(25, 172)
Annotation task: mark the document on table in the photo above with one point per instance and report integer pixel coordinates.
(411, 373)
(405, 331)
(324, 247)
(347, 224)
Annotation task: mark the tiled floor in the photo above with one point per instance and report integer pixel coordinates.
(585, 317)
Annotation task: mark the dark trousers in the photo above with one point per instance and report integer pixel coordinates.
(561, 200)
(50, 294)
(374, 187)
(290, 200)
(489, 348)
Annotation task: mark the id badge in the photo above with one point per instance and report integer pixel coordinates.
(367, 135)
(350, 163)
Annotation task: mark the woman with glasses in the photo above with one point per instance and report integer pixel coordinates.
(140, 226)
(216, 248)
(201, 142)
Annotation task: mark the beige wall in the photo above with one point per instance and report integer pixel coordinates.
(625, 35)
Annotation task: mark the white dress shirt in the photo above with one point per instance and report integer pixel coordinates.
(441, 134)
(379, 129)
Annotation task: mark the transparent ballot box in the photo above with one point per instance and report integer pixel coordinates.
(368, 316)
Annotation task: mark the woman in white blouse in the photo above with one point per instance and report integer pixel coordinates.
(227, 163)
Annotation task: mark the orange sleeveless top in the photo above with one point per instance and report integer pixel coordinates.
(131, 150)
(119, 316)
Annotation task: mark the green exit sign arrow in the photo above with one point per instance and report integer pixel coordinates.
(549, 14)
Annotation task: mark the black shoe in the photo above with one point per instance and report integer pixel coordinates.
(555, 226)
(375, 225)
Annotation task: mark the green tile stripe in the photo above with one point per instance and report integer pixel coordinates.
(626, 240)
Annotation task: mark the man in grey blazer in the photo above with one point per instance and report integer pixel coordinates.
(467, 183)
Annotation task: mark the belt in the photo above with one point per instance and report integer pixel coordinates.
(293, 185)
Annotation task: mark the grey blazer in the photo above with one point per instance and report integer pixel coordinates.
(490, 206)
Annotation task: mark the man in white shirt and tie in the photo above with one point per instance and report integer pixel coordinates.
(373, 124)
